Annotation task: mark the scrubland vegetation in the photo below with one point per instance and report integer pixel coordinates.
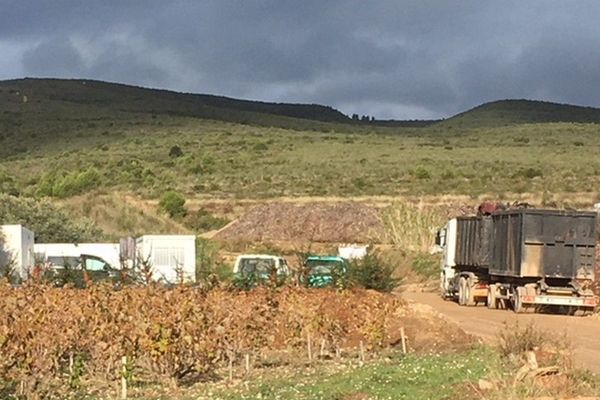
(62, 147)
(88, 161)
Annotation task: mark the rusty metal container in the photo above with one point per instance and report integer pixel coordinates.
(473, 241)
(530, 243)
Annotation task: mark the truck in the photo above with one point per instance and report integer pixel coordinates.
(321, 271)
(260, 266)
(527, 259)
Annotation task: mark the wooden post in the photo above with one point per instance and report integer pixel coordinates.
(309, 347)
(362, 352)
(247, 363)
(403, 337)
(338, 353)
(322, 350)
(230, 368)
(71, 365)
(124, 377)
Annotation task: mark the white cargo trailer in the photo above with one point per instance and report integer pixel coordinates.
(16, 250)
(172, 258)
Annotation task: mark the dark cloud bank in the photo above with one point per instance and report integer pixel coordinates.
(391, 59)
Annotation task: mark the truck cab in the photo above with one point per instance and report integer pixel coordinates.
(322, 271)
(446, 240)
(260, 267)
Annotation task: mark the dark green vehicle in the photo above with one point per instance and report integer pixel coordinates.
(322, 271)
(73, 270)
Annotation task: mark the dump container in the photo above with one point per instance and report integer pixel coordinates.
(530, 243)
(473, 239)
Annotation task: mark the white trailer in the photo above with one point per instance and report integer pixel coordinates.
(109, 252)
(16, 250)
(172, 258)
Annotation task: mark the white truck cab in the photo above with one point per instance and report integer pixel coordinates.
(260, 264)
(446, 239)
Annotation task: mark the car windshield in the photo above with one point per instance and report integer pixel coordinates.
(256, 265)
(322, 267)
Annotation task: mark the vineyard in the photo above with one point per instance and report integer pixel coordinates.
(55, 342)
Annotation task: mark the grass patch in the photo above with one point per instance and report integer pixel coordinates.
(411, 377)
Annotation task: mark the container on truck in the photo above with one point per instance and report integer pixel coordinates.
(523, 258)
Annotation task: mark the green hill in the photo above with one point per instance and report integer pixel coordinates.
(513, 112)
(65, 138)
(137, 99)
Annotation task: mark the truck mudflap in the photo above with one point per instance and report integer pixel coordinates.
(573, 301)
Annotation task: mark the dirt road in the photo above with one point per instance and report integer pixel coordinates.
(583, 331)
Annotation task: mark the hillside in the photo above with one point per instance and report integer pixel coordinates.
(513, 112)
(47, 107)
(137, 99)
(66, 138)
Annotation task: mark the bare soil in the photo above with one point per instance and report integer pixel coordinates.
(584, 332)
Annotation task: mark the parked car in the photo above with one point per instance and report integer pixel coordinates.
(322, 271)
(73, 270)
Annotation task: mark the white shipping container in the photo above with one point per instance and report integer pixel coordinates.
(17, 246)
(109, 252)
(171, 257)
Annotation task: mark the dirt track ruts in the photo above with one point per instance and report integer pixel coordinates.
(584, 332)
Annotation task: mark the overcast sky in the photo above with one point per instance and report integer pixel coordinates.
(387, 58)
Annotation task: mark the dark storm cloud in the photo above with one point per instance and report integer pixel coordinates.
(403, 59)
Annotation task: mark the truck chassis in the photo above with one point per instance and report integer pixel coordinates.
(470, 289)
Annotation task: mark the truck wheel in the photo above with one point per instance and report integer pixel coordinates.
(517, 304)
(469, 298)
(492, 302)
(462, 286)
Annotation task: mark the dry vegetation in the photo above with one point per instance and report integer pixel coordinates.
(70, 341)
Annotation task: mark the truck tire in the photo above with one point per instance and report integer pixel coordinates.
(469, 298)
(492, 302)
(517, 304)
(462, 286)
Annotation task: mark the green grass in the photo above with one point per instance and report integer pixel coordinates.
(411, 377)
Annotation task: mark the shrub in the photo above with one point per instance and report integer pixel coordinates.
(421, 173)
(173, 203)
(49, 223)
(260, 146)
(202, 221)
(175, 152)
(528, 173)
(371, 272)
(56, 184)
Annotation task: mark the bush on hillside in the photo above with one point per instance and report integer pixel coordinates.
(57, 184)
(371, 272)
(202, 221)
(175, 152)
(173, 203)
(8, 184)
(50, 224)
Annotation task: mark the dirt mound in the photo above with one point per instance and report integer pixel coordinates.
(341, 222)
